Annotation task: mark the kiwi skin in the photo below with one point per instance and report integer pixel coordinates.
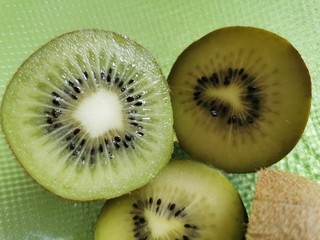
(203, 191)
(232, 160)
(68, 193)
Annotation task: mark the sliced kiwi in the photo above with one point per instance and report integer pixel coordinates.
(241, 98)
(188, 200)
(89, 115)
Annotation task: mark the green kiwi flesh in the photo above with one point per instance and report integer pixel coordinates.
(188, 200)
(89, 115)
(241, 98)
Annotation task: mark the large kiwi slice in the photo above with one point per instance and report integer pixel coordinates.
(89, 115)
(241, 98)
(188, 200)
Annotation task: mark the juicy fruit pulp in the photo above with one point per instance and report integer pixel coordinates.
(188, 200)
(84, 113)
(241, 98)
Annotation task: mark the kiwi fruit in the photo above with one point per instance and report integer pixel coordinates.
(188, 200)
(285, 206)
(89, 115)
(241, 98)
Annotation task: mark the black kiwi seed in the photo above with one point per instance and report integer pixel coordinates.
(125, 144)
(57, 125)
(244, 76)
(56, 113)
(76, 131)
(70, 83)
(79, 81)
(130, 99)
(49, 120)
(109, 78)
(55, 94)
(73, 96)
(120, 84)
(214, 79)
(234, 118)
(226, 80)
(92, 151)
(72, 146)
(134, 124)
(128, 138)
(139, 103)
(214, 111)
(171, 206)
(83, 141)
(131, 90)
(196, 94)
(140, 134)
(116, 145)
(77, 89)
(101, 148)
(85, 74)
(55, 102)
(69, 137)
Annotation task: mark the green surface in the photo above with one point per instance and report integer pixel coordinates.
(165, 28)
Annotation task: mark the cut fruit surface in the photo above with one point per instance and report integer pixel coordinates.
(188, 200)
(241, 98)
(89, 115)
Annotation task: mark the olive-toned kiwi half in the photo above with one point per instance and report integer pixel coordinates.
(241, 98)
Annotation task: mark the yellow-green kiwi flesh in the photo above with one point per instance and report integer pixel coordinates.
(188, 200)
(89, 115)
(241, 98)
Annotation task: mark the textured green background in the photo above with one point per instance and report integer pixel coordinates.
(165, 28)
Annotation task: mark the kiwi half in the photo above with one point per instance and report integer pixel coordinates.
(89, 115)
(241, 98)
(188, 200)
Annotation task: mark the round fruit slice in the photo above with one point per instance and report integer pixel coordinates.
(241, 98)
(188, 200)
(89, 115)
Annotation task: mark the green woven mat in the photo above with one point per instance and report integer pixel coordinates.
(165, 28)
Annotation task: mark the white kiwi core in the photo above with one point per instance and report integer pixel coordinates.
(100, 112)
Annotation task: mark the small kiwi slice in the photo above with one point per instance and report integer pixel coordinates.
(89, 115)
(241, 98)
(188, 200)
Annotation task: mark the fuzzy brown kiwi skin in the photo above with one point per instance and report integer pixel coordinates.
(184, 146)
(54, 38)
